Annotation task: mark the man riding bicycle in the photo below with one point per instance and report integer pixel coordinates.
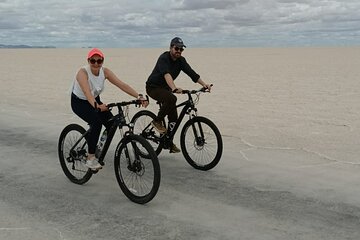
(161, 87)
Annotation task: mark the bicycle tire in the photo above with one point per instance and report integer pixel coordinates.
(72, 163)
(137, 176)
(201, 152)
(142, 120)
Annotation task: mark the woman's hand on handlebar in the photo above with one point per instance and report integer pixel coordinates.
(102, 107)
(144, 101)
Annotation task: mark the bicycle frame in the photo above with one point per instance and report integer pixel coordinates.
(118, 122)
(189, 106)
(110, 135)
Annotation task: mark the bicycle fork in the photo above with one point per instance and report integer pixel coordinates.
(199, 135)
(137, 165)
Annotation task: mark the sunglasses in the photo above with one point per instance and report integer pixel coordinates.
(179, 49)
(99, 61)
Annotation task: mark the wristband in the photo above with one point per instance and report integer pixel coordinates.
(175, 90)
(140, 95)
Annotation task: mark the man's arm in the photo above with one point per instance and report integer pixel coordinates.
(171, 84)
(205, 85)
(186, 68)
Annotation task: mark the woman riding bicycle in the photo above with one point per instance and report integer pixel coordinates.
(85, 97)
(160, 84)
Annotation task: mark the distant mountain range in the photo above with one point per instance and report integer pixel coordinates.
(23, 46)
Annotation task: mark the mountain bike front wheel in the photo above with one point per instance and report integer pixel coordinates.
(201, 143)
(138, 176)
(72, 149)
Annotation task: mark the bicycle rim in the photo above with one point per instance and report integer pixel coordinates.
(73, 162)
(142, 126)
(201, 143)
(138, 177)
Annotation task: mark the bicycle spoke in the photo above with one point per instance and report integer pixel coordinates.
(138, 177)
(142, 126)
(134, 178)
(201, 143)
(203, 148)
(72, 157)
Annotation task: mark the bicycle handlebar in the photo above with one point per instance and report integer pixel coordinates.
(136, 102)
(203, 89)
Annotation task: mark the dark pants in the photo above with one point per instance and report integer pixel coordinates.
(168, 103)
(86, 112)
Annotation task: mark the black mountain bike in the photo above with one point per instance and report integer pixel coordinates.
(138, 177)
(200, 139)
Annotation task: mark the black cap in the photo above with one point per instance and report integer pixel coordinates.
(177, 42)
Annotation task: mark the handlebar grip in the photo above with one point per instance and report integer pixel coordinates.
(110, 105)
(205, 88)
(210, 86)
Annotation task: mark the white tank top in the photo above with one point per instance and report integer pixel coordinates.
(96, 83)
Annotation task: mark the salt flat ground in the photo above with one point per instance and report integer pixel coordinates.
(290, 121)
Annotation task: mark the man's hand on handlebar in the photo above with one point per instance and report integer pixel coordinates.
(208, 87)
(178, 90)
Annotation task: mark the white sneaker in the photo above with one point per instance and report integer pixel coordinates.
(93, 164)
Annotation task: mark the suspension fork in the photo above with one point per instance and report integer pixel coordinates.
(198, 133)
(132, 166)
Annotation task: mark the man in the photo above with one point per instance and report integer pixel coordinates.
(161, 87)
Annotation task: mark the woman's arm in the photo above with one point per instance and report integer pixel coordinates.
(82, 79)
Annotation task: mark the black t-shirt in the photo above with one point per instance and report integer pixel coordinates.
(165, 64)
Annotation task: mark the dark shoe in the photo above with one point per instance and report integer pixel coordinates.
(174, 149)
(158, 126)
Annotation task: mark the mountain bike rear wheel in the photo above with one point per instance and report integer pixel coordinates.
(73, 161)
(142, 126)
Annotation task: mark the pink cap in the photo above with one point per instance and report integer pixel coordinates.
(95, 51)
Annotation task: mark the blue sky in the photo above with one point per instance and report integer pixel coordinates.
(200, 23)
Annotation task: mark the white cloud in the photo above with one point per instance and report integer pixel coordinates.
(140, 23)
(207, 4)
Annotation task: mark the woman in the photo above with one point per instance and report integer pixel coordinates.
(88, 84)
